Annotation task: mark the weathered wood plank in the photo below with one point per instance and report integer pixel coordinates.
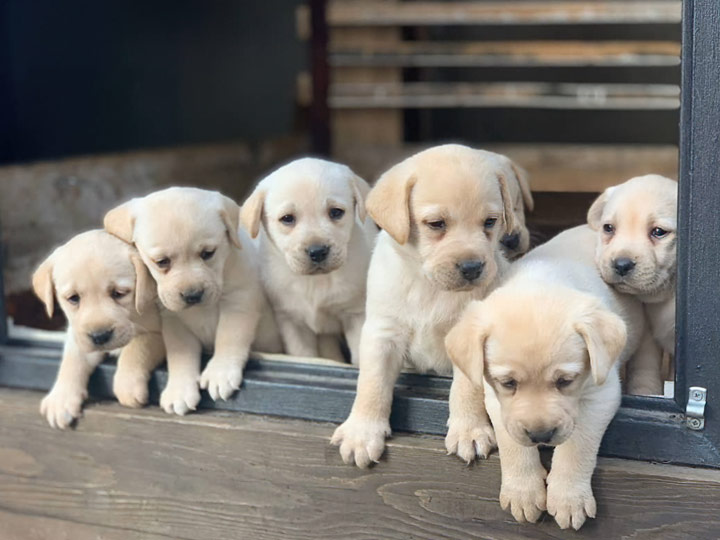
(143, 474)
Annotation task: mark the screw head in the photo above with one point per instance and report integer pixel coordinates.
(694, 423)
(696, 395)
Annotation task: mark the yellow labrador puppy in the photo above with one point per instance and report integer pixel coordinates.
(442, 212)
(546, 345)
(517, 242)
(636, 253)
(314, 245)
(208, 286)
(108, 297)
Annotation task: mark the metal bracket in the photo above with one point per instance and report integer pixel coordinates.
(695, 409)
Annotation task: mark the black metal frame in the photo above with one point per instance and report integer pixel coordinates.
(645, 428)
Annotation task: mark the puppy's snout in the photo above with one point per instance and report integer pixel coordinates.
(470, 270)
(623, 266)
(511, 241)
(318, 253)
(541, 437)
(192, 296)
(101, 337)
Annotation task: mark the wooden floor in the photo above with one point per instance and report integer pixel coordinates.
(125, 475)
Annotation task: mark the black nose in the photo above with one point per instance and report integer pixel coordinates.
(471, 270)
(623, 266)
(318, 253)
(511, 241)
(101, 337)
(541, 436)
(193, 296)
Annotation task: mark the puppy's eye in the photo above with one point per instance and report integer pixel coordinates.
(437, 225)
(563, 382)
(287, 219)
(510, 384)
(490, 222)
(74, 299)
(206, 254)
(336, 213)
(117, 295)
(163, 263)
(659, 232)
(608, 228)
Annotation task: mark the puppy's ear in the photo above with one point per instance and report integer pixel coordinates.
(465, 343)
(508, 212)
(594, 215)
(230, 214)
(388, 203)
(251, 211)
(42, 284)
(360, 189)
(524, 181)
(605, 335)
(145, 289)
(120, 221)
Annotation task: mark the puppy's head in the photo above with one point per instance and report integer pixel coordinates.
(308, 209)
(636, 223)
(449, 206)
(184, 235)
(517, 241)
(539, 350)
(100, 284)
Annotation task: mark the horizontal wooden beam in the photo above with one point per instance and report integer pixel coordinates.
(380, 13)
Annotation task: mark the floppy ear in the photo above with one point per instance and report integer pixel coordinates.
(388, 203)
(360, 189)
(524, 182)
(605, 335)
(230, 214)
(508, 212)
(145, 289)
(251, 211)
(42, 284)
(594, 215)
(465, 343)
(120, 221)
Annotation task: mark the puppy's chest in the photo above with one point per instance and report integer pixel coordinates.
(203, 324)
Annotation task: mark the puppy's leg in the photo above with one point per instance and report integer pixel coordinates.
(329, 347)
(352, 327)
(362, 436)
(63, 403)
(267, 336)
(469, 431)
(644, 369)
(181, 394)
(234, 335)
(298, 339)
(569, 492)
(135, 365)
(522, 488)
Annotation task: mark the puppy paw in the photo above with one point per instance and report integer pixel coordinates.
(131, 388)
(181, 395)
(469, 439)
(221, 377)
(570, 503)
(525, 497)
(361, 440)
(62, 406)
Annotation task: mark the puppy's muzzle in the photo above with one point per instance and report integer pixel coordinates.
(192, 296)
(541, 437)
(318, 253)
(101, 337)
(623, 266)
(511, 241)
(470, 270)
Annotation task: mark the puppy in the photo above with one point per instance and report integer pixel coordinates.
(314, 245)
(517, 242)
(546, 345)
(636, 253)
(442, 212)
(108, 297)
(207, 284)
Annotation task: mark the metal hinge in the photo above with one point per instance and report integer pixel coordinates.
(695, 410)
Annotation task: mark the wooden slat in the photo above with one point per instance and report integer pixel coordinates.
(500, 95)
(379, 13)
(509, 54)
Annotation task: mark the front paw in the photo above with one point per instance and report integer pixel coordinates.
(571, 503)
(524, 496)
(130, 389)
(361, 439)
(470, 438)
(63, 405)
(221, 377)
(181, 395)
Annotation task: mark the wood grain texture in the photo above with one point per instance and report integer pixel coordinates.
(144, 475)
